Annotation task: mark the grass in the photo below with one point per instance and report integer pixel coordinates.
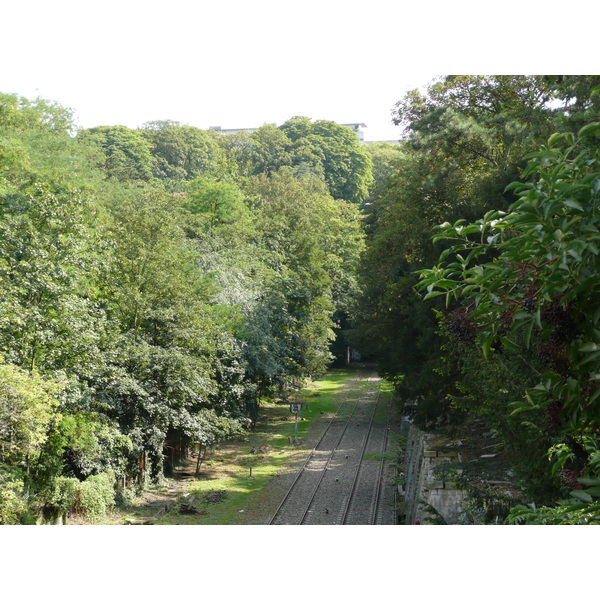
(250, 498)
(380, 456)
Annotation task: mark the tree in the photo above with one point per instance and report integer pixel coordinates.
(466, 137)
(321, 149)
(333, 150)
(580, 100)
(171, 358)
(290, 227)
(223, 202)
(267, 152)
(391, 324)
(182, 152)
(28, 404)
(51, 327)
(477, 129)
(383, 155)
(313, 243)
(122, 152)
(526, 284)
(46, 321)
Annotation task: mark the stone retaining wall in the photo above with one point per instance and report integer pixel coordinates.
(421, 483)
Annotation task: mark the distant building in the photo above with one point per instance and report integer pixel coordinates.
(358, 128)
(232, 131)
(382, 142)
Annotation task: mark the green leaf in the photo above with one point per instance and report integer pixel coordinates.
(589, 129)
(560, 138)
(520, 410)
(573, 204)
(433, 295)
(515, 185)
(520, 407)
(545, 154)
(593, 356)
(446, 284)
(510, 344)
(486, 346)
(589, 481)
(581, 495)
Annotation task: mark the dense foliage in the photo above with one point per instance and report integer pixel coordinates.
(495, 314)
(157, 284)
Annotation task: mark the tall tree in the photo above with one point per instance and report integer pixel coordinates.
(122, 152)
(334, 150)
(182, 152)
(526, 285)
(168, 363)
(467, 139)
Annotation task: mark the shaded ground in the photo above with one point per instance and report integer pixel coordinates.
(241, 482)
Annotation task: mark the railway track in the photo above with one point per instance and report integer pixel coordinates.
(365, 503)
(320, 454)
(336, 485)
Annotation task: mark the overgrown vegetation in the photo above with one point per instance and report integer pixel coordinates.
(495, 314)
(232, 494)
(159, 284)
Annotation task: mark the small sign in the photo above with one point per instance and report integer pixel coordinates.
(295, 407)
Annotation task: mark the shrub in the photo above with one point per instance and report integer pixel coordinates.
(64, 493)
(91, 498)
(96, 495)
(12, 502)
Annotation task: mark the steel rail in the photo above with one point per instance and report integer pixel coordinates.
(381, 465)
(360, 462)
(309, 458)
(324, 471)
(303, 467)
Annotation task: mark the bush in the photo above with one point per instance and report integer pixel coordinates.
(64, 493)
(12, 502)
(565, 514)
(91, 498)
(125, 497)
(96, 495)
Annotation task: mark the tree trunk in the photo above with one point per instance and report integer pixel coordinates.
(142, 466)
(201, 455)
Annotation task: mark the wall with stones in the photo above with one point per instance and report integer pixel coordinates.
(422, 484)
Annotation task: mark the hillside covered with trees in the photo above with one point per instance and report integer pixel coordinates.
(159, 283)
(479, 283)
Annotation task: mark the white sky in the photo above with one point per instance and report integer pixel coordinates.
(240, 63)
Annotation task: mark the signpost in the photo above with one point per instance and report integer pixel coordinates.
(295, 408)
